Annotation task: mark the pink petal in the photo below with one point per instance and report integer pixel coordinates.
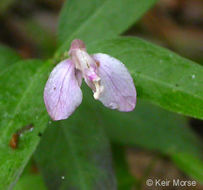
(62, 94)
(119, 91)
(78, 75)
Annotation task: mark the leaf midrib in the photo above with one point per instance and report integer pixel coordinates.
(17, 107)
(142, 75)
(19, 172)
(75, 32)
(75, 159)
(168, 85)
(9, 67)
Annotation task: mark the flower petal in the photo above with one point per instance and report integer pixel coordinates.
(62, 94)
(118, 88)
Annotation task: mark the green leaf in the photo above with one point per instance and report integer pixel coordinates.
(151, 128)
(31, 181)
(124, 178)
(7, 57)
(80, 156)
(148, 126)
(21, 104)
(98, 19)
(190, 164)
(161, 76)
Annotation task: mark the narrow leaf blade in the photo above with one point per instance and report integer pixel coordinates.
(161, 76)
(155, 129)
(31, 182)
(22, 85)
(98, 19)
(80, 156)
(189, 164)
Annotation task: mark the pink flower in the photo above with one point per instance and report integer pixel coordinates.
(108, 78)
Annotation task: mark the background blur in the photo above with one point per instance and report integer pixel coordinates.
(30, 28)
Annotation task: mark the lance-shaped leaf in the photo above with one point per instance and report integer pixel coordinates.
(80, 157)
(98, 19)
(21, 104)
(30, 179)
(124, 178)
(31, 182)
(189, 164)
(153, 128)
(161, 76)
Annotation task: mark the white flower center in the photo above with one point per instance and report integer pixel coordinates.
(99, 89)
(86, 64)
